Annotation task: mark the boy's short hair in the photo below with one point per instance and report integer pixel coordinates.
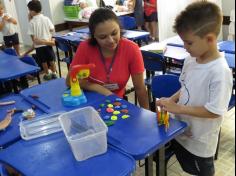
(201, 18)
(35, 5)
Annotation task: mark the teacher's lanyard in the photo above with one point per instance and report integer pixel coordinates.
(108, 71)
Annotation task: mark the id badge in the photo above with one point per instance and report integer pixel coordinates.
(111, 86)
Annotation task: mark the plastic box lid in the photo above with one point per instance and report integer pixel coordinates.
(41, 126)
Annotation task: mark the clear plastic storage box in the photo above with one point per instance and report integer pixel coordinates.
(85, 132)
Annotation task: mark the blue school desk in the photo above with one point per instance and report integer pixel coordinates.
(72, 37)
(12, 67)
(12, 133)
(230, 58)
(227, 46)
(177, 53)
(49, 96)
(52, 155)
(139, 135)
(174, 41)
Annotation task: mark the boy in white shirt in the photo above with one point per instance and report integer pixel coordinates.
(8, 29)
(41, 29)
(206, 86)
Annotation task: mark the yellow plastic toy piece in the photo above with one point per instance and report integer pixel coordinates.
(163, 118)
(78, 72)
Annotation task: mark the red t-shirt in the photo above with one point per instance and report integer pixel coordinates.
(128, 61)
(148, 10)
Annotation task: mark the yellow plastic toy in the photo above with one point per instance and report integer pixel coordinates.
(75, 95)
(163, 118)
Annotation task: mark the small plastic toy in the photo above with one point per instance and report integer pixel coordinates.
(75, 96)
(28, 114)
(163, 118)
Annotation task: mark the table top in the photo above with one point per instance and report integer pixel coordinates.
(173, 41)
(12, 67)
(227, 46)
(73, 37)
(50, 93)
(139, 135)
(142, 122)
(52, 155)
(177, 53)
(12, 133)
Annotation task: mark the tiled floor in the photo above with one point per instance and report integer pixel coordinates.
(225, 164)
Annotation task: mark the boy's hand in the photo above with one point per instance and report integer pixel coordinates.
(159, 102)
(167, 104)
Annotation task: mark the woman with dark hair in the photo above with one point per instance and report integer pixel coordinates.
(116, 58)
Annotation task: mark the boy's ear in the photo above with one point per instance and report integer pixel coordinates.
(211, 38)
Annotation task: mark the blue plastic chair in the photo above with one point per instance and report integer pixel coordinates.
(127, 22)
(10, 51)
(30, 60)
(64, 46)
(164, 86)
(154, 64)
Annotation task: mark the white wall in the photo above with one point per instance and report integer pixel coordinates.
(167, 12)
(57, 13)
(227, 6)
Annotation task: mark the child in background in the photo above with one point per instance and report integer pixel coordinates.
(206, 81)
(7, 26)
(139, 13)
(85, 10)
(150, 17)
(41, 29)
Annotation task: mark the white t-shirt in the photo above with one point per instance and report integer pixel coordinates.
(9, 28)
(207, 85)
(39, 27)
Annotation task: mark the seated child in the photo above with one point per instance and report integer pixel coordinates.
(125, 6)
(85, 10)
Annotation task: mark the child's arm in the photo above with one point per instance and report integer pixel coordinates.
(44, 42)
(2, 23)
(12, 20)
(4, 19)
(174, 98)
(197, 111)
(28, 51)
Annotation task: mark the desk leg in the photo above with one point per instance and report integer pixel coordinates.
(58, 59)
(160, 164)
(14, 86)
(149, 166)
